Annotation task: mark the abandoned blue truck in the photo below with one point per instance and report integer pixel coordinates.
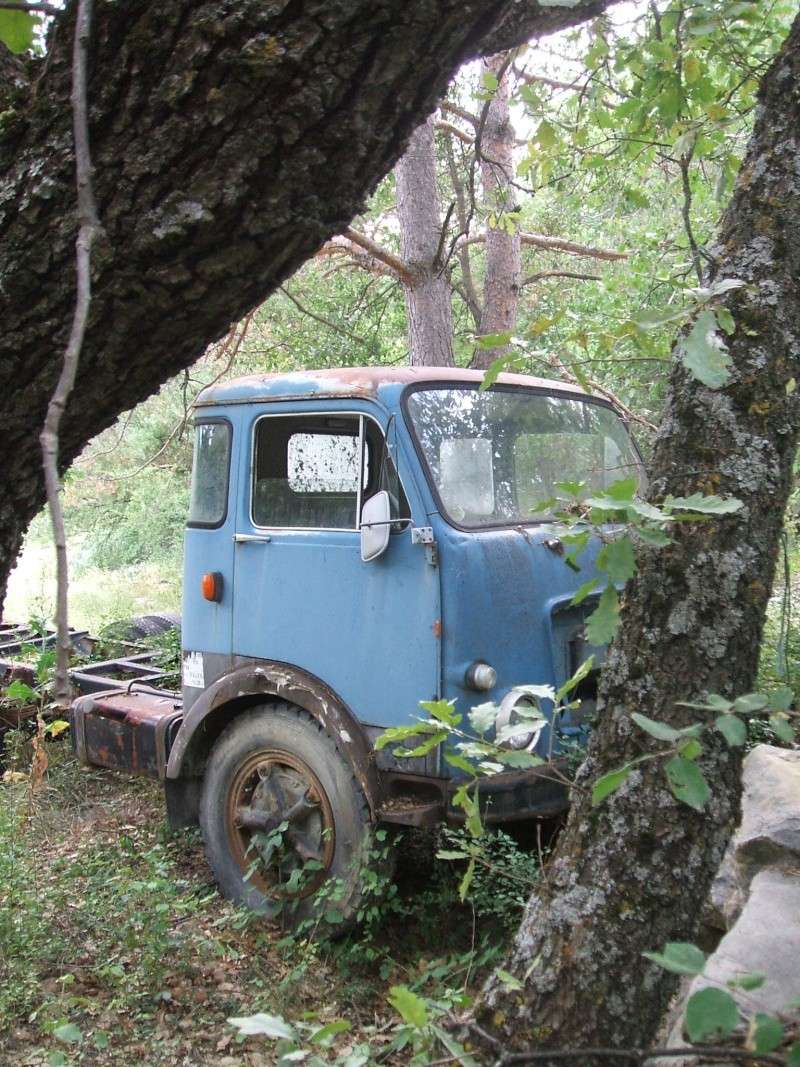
(358, 540)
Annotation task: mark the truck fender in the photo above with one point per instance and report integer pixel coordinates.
(255, 683)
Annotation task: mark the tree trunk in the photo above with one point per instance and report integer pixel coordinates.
(229, 142)
(503, 250)
(630, 875)
(428, 307)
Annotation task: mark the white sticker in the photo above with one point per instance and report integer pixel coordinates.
(193, 674)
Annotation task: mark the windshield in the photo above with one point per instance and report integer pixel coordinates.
(494, 456)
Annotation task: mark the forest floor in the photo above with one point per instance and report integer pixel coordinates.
(116, 949)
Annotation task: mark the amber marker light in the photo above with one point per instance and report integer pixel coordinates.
(211, 586)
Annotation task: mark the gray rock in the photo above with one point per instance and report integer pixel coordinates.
(769, 832)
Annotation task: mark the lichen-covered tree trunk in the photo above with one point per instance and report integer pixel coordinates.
(632, 874)
(503, 250)
(229, 140)
(428, 298)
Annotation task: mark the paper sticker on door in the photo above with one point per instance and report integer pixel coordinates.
(193, 674)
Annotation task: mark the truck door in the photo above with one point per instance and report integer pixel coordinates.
(302, 593)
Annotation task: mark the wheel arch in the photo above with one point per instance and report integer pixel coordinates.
(252, 684)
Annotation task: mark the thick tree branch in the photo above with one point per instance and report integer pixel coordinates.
(454, 131)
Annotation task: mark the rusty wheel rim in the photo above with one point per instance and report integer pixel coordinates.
(270, 789)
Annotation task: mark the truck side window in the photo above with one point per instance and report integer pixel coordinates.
(306, 472)
(209, 492)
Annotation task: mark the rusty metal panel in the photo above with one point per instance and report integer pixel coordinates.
(126, 730)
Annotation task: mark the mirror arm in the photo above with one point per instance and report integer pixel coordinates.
(388, 522)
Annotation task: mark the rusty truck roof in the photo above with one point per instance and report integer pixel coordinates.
(354, 382)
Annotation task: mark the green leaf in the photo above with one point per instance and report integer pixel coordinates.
(268, 1025)
(711, 1013)
(393, 734)
(647, 511)
(767, 1033)
(748, 981)
(603, 622)
(653, 535)
(584, 591)
(705, 354)
(617, 560)
(660, 730)
(690, 748)
(508, 980)
(679, 957)
(732, 729)
(608, 784)
(489, 80)
(326, 1033)
(782, 728)
(443, 710)
(100, 1040)
(726, 321)
(687, 782)
(19, 690)
(424, 748)
(493, 340)
(519, 760)
(458, 761)
(655, 318)
(750, 702)
(624, 490)
(497, 366)
(447, 854)
(17, 29)
(482, 717)
(713, 702)
(793, 1059)
(466, 881)
(545, 135)
(781, 699)
(692, 69)
(582, 672)
(573, 489)
(57, 1059)
(705, 505)
(68, 1033)
(411, 1008)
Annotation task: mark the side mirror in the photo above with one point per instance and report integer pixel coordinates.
(376, 523)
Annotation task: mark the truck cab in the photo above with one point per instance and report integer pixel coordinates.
(360, 540)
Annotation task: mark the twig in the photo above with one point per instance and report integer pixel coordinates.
(638, 1055)
(87, 229)
(322, 320)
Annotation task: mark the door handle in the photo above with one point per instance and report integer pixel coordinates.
(246, 539)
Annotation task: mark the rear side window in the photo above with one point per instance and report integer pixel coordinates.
(210, 468)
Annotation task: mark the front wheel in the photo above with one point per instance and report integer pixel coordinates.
(285, 823)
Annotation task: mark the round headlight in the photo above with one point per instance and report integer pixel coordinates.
(480, 676)
(526, 729)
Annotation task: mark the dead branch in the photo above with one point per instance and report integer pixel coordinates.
(322, 320)
(601, 390)
(558, 244)
(404, 273)
(542, 274)
(341, 246)
(88, 225)
(461, 112)
(449, 127)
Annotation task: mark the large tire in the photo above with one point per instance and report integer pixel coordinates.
(275, 764)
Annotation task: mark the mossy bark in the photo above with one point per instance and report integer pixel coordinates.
(229, 141)
(632, 874)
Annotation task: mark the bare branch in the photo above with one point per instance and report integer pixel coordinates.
(87, 229)
(461, 112)
(389, 258)
(449, 127)
(640, 1056)
(601, 390)
(470, 291)
(542, 274)
(558, 244)
(531, 79)
(341, 246)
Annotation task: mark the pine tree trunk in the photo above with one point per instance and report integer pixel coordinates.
(503, 250)
(632, 874)
(229, 142)
(428, 299)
